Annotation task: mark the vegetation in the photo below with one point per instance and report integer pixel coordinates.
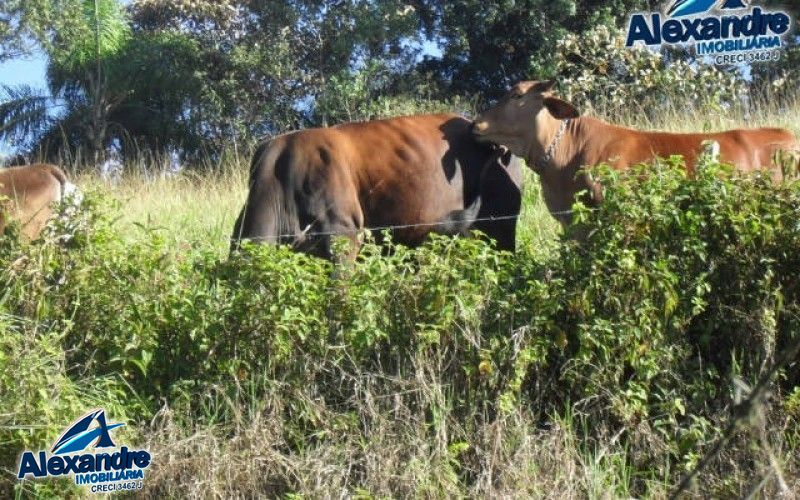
(151, 78)
(608, 361)
(608, 367)
(595, 69)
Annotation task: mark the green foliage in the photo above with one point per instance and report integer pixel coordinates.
(678, 288)
(360, 96)
(596, 70)
(705, 271)
(39, 397)
(163, 73)
(99, 34)
(21, 22)
(779, 79)
(23, 114)
(488, 46)
(268, 67)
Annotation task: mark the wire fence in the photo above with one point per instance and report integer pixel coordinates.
(349, 232)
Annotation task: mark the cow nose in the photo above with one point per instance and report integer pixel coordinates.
(480, 126)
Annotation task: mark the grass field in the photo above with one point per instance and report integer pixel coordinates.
(387, 423)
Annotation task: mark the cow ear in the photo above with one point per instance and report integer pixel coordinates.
(560, 109)
(543, 86)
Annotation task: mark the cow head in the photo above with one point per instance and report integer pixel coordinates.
(523, 119)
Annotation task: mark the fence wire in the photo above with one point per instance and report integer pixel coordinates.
(351, 232)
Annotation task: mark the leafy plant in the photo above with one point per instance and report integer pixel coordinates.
(596, 70)
(645, 333)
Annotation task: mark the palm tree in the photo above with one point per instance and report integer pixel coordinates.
(82, 45)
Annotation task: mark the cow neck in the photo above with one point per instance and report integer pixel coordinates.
(542, 160)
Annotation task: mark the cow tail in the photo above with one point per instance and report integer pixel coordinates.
(269, 214)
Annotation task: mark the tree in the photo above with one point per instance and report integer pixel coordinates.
(82, 44)
(270, 66)
(596, 70)
(20, 22)
(779, 78)
(489, 45)
(82, 65)
(200, 75)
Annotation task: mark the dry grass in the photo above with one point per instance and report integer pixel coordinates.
(191, 208)
(766, 112)
(384, 456)
(377, 452)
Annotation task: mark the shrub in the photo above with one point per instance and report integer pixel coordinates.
(689, 285)
(680, 293)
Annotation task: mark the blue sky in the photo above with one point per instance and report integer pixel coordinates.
(30, 71)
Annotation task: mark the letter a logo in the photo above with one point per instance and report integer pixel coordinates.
(79, 435)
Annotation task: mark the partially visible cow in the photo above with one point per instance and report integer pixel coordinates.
(557, 143)
(27, 194)
(418, 174)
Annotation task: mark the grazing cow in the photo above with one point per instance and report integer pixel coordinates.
(422, 173)
(27, 194)
(557, 142)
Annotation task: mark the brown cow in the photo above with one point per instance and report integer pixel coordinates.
(27, 194)
(425, 173)
(557, 142)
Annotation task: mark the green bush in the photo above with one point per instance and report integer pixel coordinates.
(687, 285)
(675, 289)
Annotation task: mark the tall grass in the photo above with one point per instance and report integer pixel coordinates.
(201, 204)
